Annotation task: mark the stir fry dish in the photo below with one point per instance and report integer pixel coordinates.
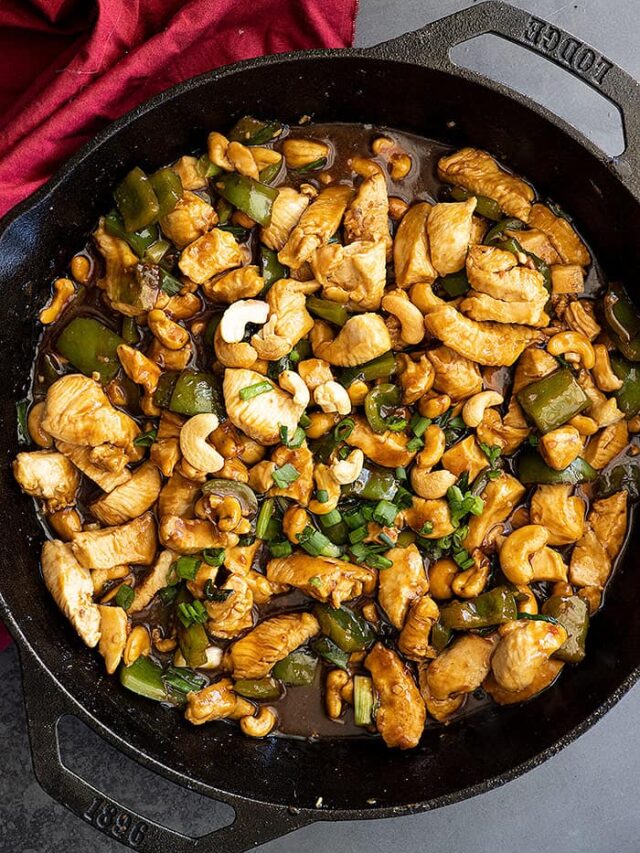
(333, 420)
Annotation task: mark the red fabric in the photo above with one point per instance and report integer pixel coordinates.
(69, 67)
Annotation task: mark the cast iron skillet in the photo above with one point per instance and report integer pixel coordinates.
(274, 785)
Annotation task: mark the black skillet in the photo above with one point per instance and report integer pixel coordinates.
(274, 785)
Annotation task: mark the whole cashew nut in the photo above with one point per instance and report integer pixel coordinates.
(605, 378)
(518, 549)
(474, 409)
(292, 382)
(195, 447)
(236, 317)
(435, 443)
(432, 484)
(348, 470)
(261, 724)
(412, 327)
(332, 397)
(573, 342)
(336, 681)
(548, 565)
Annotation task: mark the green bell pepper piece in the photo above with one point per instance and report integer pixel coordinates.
(296, 670)
(573, 614)
(249, 196)
(373, 484)
(90, 347)
(144, 677)
(628, 396)
(380, 407)
(141, 241)
(485, 206)
(346, 629)
(270, 172)
(136, 200)
(206, 168)
(327, 650)
(623, 321)
(440, 636)
(254, 131)
(260, 689)
(533, 469)
(194, 393)
(193, 642)
(327, 310)
(130, 330)
(497, 233)
(168, 189)
(491, 608)
(381, 367)
(625, 476)
(272, 269)
(164, 390)
(553, 400)
(455, 284)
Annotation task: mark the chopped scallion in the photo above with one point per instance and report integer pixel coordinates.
(362, 700)
(124, 596)
(251, 391)
(280, 549)
(213, 556)
(264, 517)
(285, 476)
(187, 567)
(385, 513)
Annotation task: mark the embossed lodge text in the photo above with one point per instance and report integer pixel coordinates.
(567, 50)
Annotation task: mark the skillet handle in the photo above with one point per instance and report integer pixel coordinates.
(46, 703)
(430, 46)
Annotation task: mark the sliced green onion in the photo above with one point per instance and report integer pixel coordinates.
(21, 416)
(144, 677)
(343, 430)
(264, 517)
(358, 535)
(169, 284)
(124, 596)
(190, 613)
(385, 513)
(419, 425)
(362, 700)
(305, 421)
(377, 561)
(187, 567)
(353, 518)
(317, 544)
(331, 518)
(327, 649)
(322, 496)
(415, 444)
(213, 556)
(285, 475)
(183, 679)
(214, 593)
(386, 540)
(327, 310)
(296, 440)
(538, 617)
(280, 549)
(251, 391)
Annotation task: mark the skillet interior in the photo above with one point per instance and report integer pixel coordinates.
(34, 249)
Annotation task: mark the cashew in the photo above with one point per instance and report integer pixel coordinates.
(217, 145)
(194, 445)
(348, 470)
(81, 268)
(548, 565)
(441, 575)
(325, 480)
(300, 152)
(113, 635)
(474, 409)
(227, 511)
(434, 446)
(139, 368)
(357, 392)
(321, 424)
(261, 724)
(138, 645)
(171, 335)
(411, 319)
(294, 522)
(332, 397)
(214, 656)
(237, 315)
(431, 484)
(397, 208)
(573, 342)
(529, 604)
(242, 160)
(290, 381)
(64, 290)
(34, 425)
(433, 407)
(518, 549)
(470, 583)
(336, 681)
(399, 165)
(605, 378)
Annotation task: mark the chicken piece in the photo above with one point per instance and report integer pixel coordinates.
(544, 676)
(113, 635)
(455, 375)
(316, 226)
(178, 497)
(286, 211)
(165, 450)
(536, 243)
(354, 275)
(560, 447)
(213, 253)
(189, 536)
(561, 514)
(590, 564)
(367, 216)
(608, 518)
(302, 460)
(411, 258)
(401, 713)
(323, 578)
(522, 651)
(566, 278)
(240, 559)
(500, 496)
(388, 448)
(440, 709)
(491, 344)
(288, 321)
(153, 581)
(579, 316)
(257, 652)
(169, 359)
(532, 365)
(606, 445)
(47, 475)
(435, 511)
(449, 232)
(81, 458)
(242, 283)
(561, 234)
(190, 218)
(131, 499)
(361, 339)
(415, 377)
(413, 641)
(482, 308)
(462, 666)
(119, 265)
(234, 615)
(72, 590)
(603, 410)
(134, 542)
(507, 433)
(496, 273)
(314, 372)
(260, 417)
(402, 583)
(190, 175)
(217, 701)
(465, 455)
(101, 578)
(479, 173)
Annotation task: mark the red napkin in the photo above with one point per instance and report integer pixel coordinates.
(69, 67)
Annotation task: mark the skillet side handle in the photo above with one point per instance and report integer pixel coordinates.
(254, 823)
(430, 46)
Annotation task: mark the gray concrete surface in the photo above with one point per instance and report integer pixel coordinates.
(584, 799)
